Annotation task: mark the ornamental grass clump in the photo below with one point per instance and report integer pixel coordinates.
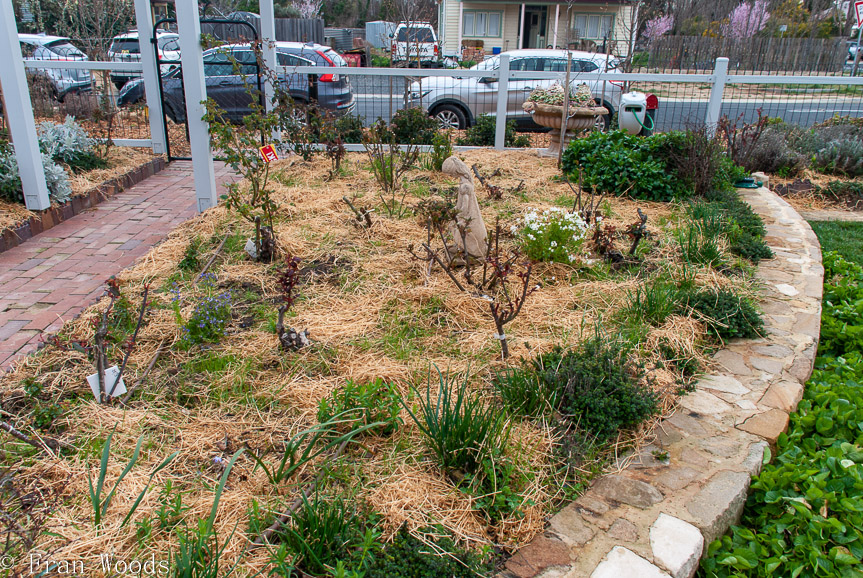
(554, 235)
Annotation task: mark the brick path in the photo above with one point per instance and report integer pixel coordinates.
(55, 275)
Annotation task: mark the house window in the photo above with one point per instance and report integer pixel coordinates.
(593, 26)
(481, 24)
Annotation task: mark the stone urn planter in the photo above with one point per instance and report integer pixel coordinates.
(549, 115)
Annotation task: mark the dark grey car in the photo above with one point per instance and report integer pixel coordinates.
(228, 86)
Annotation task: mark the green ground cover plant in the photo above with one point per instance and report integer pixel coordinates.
(845, 237)
(803, 515)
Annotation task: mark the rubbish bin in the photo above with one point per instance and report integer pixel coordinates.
(495, 50)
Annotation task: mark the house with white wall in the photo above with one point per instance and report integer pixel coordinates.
(510, 24)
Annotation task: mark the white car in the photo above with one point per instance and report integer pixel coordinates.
(44, 47)
(457, 102)
(127, 48)
(415, 42)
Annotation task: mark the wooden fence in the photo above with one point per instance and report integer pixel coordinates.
(786, 55)
(300, 30)
(287, 29)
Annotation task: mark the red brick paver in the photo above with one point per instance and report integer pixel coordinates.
(55, 275)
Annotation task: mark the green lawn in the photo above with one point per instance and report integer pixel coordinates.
(843, 237)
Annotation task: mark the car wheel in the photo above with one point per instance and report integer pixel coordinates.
(450, 116)
(602, 123)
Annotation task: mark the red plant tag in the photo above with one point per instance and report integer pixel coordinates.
(268, 153)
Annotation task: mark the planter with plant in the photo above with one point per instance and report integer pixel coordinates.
(545, 105)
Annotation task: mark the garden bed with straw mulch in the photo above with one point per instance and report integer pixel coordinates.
(814, 191)
(126, 167)
(372, 313)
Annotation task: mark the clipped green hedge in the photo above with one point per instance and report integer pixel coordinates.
(804, 514)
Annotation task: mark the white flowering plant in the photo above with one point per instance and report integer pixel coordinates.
(552, 235)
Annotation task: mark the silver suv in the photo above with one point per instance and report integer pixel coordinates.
(457, 102)
(44, 47)
(127, 48)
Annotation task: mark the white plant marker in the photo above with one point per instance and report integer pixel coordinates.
(110, 376)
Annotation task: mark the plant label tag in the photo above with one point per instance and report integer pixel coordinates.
(110, 375)
(268, 153)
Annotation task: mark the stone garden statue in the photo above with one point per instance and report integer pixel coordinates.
(469, 217)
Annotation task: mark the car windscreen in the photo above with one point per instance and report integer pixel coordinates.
(64, 49)
(169, 43)
(488, 64)
(416, 35)
(336, 58)
(126, 45)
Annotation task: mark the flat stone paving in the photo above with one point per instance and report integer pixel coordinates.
(656, 517)
(52, 277)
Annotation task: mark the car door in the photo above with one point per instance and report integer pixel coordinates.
(225, 82)
(479, 94)
(297, 85)
(518, 89)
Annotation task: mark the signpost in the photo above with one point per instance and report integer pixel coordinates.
(858, 11)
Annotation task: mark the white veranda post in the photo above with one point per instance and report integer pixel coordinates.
(151, 77)
(194, 89)
(19, 110)
(268, 41)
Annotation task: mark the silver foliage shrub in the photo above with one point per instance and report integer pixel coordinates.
(56, 178)
(843, 156)
(65, 142)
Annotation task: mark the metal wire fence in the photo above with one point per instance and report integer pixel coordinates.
(108, 98)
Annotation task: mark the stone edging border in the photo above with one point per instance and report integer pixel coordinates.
(47, 219)
(655, 518)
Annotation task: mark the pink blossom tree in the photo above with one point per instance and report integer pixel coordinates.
(308, 8)
(746, 20)
(655, 28)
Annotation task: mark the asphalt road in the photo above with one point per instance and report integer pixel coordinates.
(672, 114)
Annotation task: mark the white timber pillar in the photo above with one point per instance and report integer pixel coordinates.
(521, 29)
(152, 79)
(268, 46)
(22, 126)
(556, 22)
(195, 90)
(461, 29)
(502, 102)
(714, 105)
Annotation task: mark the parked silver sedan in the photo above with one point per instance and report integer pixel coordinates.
(45, 47)
(457, 102)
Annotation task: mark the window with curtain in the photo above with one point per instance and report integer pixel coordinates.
(481, 24)
(593, 26)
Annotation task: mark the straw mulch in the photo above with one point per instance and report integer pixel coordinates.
(816, 200)
(372, 312)
(120, 161)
